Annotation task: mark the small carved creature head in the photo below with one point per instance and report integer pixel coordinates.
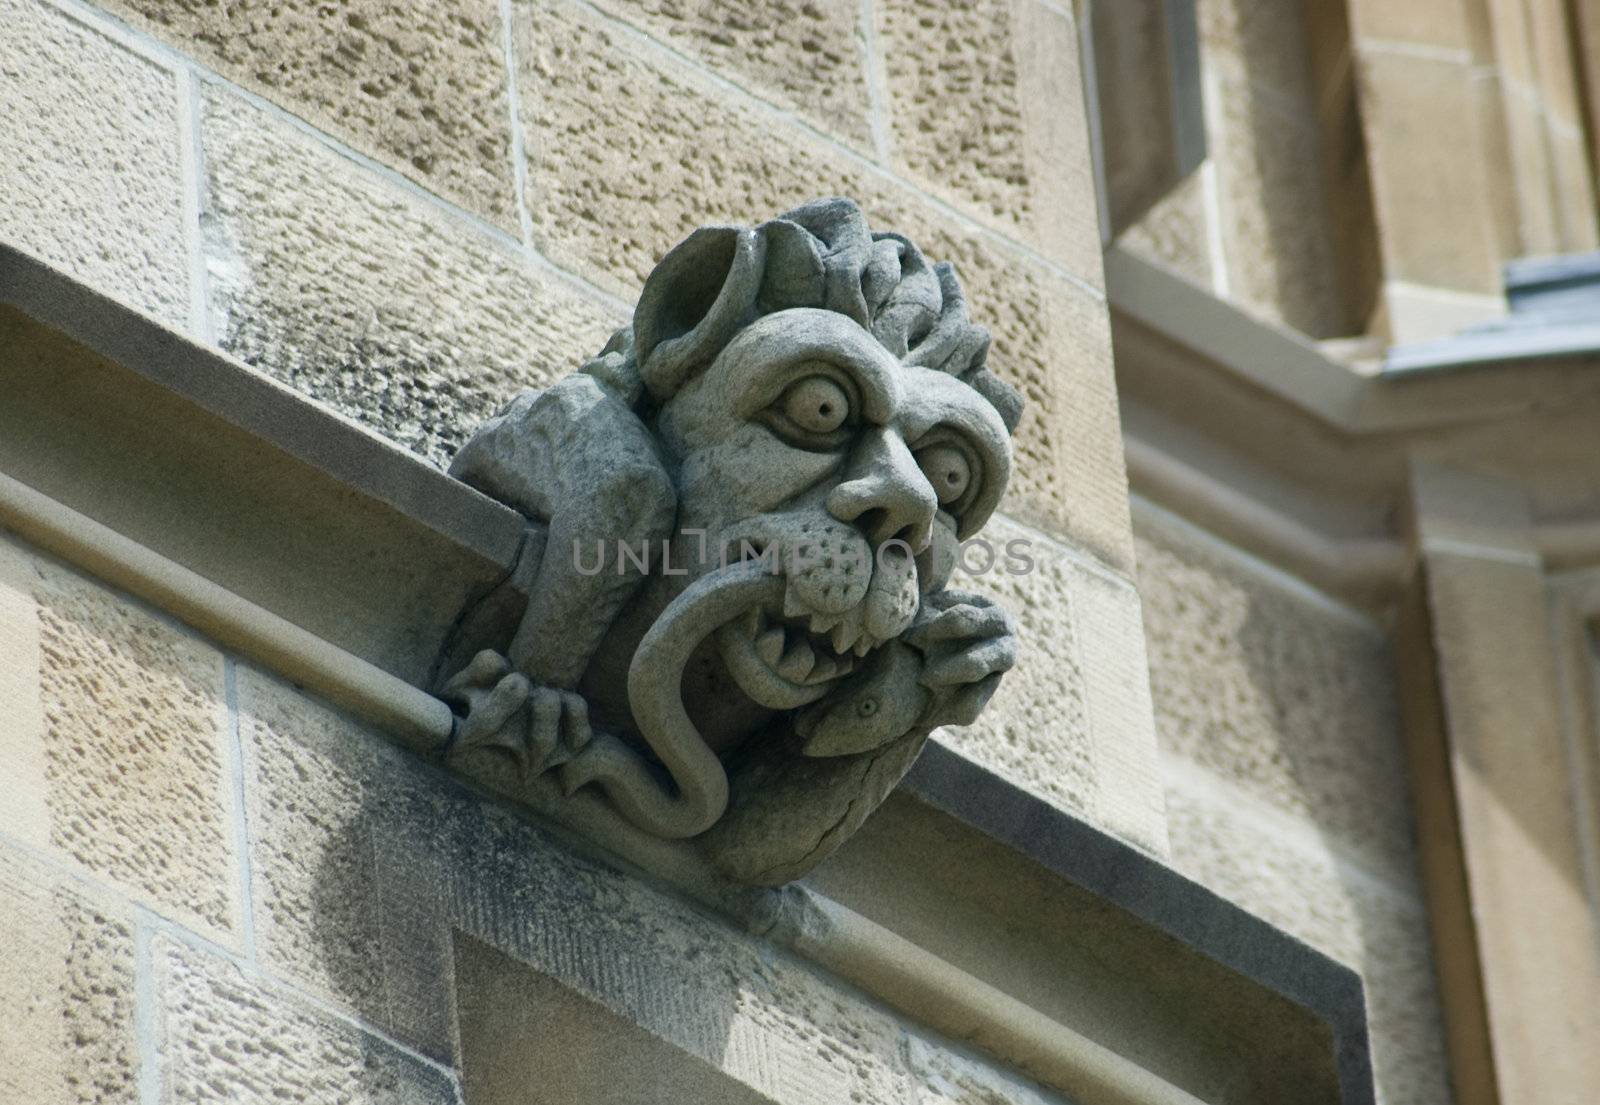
(820, 397)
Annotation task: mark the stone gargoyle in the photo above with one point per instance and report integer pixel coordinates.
(738, 628)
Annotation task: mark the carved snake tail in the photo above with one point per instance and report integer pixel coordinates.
(655, 678)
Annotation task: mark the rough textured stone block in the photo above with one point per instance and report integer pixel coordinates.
(1275, 688)
(986, 108)
(689, 980)
(361, 295)
(228, 1036)
(1426, 141)
(1275, 232)
(1281, 869)
(629, 154)
(1452, 24)
(1175, 234)
(1072, 722)
(66, 984)
(133, 778)
(339, 907)
(421, 87)
(24, 813)
(89, 159)
(802, 55)
(948, 1077)
(1263, 42)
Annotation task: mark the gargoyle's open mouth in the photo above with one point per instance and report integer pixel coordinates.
(785, 659)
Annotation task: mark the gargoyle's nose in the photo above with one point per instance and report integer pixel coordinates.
(886, 496)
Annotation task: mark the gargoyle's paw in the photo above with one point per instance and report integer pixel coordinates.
(494, 719)
(578, 772)
(575, 732)
(558, 727)
(485, 669)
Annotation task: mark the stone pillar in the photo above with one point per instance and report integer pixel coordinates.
(1514, 928)
(1473, 121)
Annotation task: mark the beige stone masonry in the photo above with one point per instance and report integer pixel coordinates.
(117, 744)
(90, 161)
(629, 152)
(24, 810)
(225, 1034)
(369, 297)
(1518, 874)
(67, 988)
(323, 856)
(1072, 722)
(1280, 690)
(986, 109)
(1281, 869)
(802, 55)
(420, 87)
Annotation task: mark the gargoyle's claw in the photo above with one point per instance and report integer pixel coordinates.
(492, 720)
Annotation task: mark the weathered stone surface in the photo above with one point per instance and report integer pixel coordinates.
(421, 87)
(771, 382)
(66, 984)
(601, 112)
(1276, 688)
(1447, 23)
(764, 1020)
(89, 159)
(1174, 232)
(1052, 341)
(1275, 232)
(341, 908)
(985, 101)
(1072, 722)
(134, 769)
(227, 1035)
(948, 1077)
(1281, 869)
(1261, 42)
(802, 55)
(361, 295)
(24, 812)
(1427, 136)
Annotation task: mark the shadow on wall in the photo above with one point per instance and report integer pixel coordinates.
(1278, 718)
(479, 941)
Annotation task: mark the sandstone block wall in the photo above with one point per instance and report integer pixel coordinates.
(1279, 218)
(305, 891)
(1278, 724)
(409, 215)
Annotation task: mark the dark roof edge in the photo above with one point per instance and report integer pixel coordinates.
(1158, 895)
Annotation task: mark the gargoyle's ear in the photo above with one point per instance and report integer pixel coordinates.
(693, 303)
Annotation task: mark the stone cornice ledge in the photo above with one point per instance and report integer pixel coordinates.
(323, 552)
(1253, 432)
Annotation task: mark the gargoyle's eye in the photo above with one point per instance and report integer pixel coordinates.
(948, 472)
(815, 404)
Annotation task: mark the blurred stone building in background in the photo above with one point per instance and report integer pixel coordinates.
(1295, 792)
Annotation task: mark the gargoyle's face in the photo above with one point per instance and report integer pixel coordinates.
(857, 475)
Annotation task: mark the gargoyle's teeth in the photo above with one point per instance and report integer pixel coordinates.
(864, 645)
(829, 667)
(753, 621)
(821, 623)
(797, 662)
(826, 669)
(769, 646)
(792, 606)
(844, 636)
